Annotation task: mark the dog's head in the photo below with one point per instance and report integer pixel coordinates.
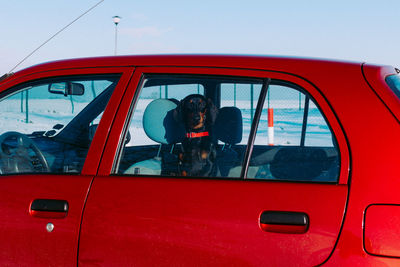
(196, 112)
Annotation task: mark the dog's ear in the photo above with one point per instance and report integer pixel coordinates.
(178, 117)
(212, 111)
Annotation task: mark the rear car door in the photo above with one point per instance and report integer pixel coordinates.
(49, 155)
(277, 196)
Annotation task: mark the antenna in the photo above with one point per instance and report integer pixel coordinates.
(54, 35)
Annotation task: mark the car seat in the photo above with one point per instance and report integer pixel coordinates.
(299, 163)
(160, 126)
(229, 130)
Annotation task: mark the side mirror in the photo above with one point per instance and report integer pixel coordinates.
(67, 88)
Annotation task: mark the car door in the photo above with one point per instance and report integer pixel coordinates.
(49, 155)
(274, 202)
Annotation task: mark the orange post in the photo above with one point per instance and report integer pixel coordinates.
(270, 126)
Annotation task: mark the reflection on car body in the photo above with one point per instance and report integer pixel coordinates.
(199, 160)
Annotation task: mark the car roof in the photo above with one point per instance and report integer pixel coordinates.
(275, 63)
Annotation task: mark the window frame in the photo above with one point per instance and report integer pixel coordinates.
(95, 152)
(309, 100)
(130, 101)
(217, 97)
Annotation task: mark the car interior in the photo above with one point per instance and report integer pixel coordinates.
(278, 162)
(63, 149)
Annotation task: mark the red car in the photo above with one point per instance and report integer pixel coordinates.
(298, 165)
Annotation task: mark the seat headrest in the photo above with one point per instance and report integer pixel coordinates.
(229, 125)
(298, 163)
(159, 123)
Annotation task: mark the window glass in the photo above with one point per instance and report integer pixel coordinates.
(244, 96)
(394, 83)
(194, 126)
(48, 125)
(293, 140)
(172, 92)
(199, 126)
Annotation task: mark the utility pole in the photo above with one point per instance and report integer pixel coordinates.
(116, 20)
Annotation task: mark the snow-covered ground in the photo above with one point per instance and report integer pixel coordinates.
(44, 114)
(288, 121)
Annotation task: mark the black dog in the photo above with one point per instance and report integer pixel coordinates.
(199, 151)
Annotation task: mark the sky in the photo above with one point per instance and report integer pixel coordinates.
(356, 30)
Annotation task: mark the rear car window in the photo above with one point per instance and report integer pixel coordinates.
(394, 83)
(171, 133)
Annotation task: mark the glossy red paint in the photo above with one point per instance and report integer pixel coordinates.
(284, 229)
(115, 220)
(47, 214)
(29, 242)
(111, 150)
(200, 198)
(25, 240)
(211, 222)
(374, 163)
(382, 229)
(375, 76)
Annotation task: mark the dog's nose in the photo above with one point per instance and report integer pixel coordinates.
(196, 117)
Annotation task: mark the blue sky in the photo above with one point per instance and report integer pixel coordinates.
(342, 29)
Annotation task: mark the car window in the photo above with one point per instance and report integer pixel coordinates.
(292, 134)
(293, 140)
(394, 83)
(48, 125)
(171, 92)
(166, 139)
(244, 96)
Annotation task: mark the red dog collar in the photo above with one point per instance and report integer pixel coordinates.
(195, 135)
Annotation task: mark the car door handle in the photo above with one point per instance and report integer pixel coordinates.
(49, 208)
(284, 222)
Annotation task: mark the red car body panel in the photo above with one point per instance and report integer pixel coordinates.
(197, 200)
(381, 231)
(170, 221)
(28, 242)
(111, 149)
(25, 240)
(375, 76)
(205, 222)
(379, 150)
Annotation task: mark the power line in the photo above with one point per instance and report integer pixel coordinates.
(54, 35)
